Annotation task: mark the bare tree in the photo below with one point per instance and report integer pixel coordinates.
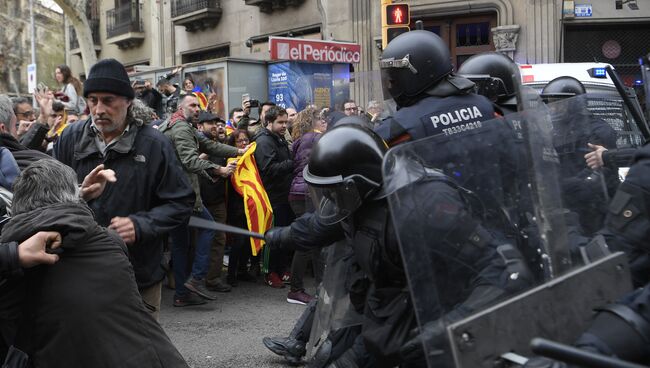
(75, 10)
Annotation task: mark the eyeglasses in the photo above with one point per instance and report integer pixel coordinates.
(26, 113)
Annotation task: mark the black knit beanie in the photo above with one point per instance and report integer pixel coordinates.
(108, 75)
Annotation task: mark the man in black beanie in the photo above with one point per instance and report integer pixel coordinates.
(151, 195)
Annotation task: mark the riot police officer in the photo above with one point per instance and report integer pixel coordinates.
(500, 86)
(417, 72)
(352, 193)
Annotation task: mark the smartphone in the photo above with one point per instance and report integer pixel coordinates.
(254, 103)
(245, 97)
(41, 87)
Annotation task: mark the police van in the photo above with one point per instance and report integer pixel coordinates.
(604, 99)
(592, 75)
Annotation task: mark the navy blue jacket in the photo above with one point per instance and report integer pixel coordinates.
(151, 188)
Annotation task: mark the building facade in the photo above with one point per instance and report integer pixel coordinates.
(167, 33)
(15, 44)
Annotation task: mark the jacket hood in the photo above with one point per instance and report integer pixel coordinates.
(74, 221)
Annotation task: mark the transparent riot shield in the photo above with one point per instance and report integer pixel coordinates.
(332, 94)
(486, 211)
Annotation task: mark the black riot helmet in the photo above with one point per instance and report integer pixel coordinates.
(503, 72)
(415, 62)
(562, 87)
(344, 170)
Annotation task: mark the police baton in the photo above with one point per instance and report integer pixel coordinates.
(211, 225)
(634, 110)
(571, 355)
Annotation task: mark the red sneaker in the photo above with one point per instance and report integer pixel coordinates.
(273, 280)
(286, 277)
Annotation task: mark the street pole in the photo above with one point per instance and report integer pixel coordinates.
(33, 38)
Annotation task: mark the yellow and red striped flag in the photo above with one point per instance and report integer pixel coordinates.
(203, 101)
(247, 182)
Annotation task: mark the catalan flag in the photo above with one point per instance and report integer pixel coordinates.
(203, 101)
(229, 127)
(247, 182)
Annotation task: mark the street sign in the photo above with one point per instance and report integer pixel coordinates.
(31, 78)
(583, 10)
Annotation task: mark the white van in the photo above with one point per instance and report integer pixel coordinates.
(592, 75)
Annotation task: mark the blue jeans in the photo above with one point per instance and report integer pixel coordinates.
(181, 238)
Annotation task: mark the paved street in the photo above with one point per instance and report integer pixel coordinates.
(228, 332)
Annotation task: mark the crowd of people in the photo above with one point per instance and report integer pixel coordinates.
(149, 158)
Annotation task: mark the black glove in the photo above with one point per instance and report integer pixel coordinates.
(279, 237)
(433, 336)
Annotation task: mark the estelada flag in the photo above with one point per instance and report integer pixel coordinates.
(247, 182)
(229, 127)
(203, 101)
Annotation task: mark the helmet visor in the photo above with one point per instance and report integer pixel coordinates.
(335, 203)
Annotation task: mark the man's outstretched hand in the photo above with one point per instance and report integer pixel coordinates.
(95, 182)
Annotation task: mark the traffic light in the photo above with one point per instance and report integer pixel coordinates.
(397, 15)
(395, 21)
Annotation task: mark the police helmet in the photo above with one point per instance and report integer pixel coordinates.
(344, 169)
(562, 87)
(503, 72)
(413, 62)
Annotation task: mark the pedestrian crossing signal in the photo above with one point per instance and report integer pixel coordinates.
(395, 20)
(397, 15)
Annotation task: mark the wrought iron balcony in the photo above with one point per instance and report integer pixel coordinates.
(269, 6)
(124, 26)
(74, 41)
(196, 15)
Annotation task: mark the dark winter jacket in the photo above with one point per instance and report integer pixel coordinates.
(188, 144)
(33, 138)
(151, 188)
(275, 165)
(301, 150)
(213, 191)
(23, 155)
(85, 310)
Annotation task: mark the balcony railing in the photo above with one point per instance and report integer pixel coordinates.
(182, 7)
(196, 15)
(269, 6)
(123, 20)
(94, 29)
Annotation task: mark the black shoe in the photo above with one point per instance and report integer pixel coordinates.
(198, 287)
(218, 287)
(291, 349)
(189, 299)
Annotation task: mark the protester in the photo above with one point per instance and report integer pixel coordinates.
(55, 327)
(152, 195)
(70, 93)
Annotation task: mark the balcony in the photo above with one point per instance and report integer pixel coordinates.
(269, 6)
(74, 42)
(124, 26)
(196, 15)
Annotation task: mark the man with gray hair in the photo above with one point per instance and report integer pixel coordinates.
(7, 116)
(151, 196)
(93, 265)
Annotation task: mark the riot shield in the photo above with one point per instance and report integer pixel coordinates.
(329, 88)
(486, 211)
(334, 310)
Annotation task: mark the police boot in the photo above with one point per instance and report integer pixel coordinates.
(291, 349)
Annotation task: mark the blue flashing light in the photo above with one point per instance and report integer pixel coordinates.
(638, 82)
(598, 73)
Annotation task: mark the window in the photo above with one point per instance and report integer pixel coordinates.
(465, 36)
